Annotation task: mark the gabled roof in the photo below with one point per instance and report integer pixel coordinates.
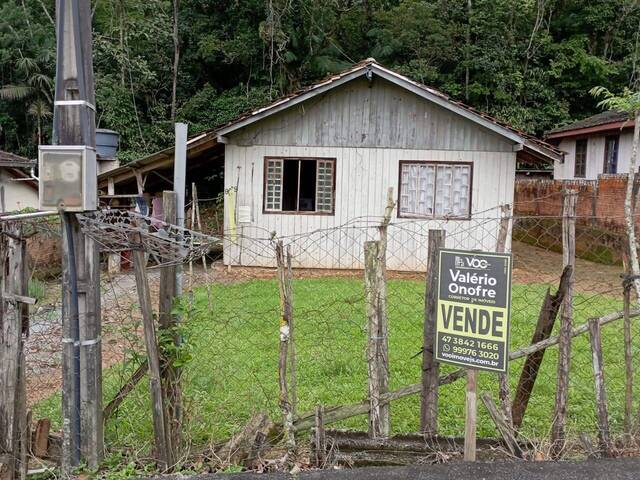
(12, 160)
(529, 143)
(609, 120)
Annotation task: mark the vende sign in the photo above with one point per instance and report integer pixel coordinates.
(473, 311)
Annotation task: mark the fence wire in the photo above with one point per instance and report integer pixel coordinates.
(230, 318)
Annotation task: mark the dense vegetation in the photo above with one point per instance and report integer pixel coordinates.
(529, 62)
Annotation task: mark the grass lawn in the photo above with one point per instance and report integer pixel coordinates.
(234, 349)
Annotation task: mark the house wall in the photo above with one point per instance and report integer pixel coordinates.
(362, 178)
(17, 195)
(381, 115)
(595, 156)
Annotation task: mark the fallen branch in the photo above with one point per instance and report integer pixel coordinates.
(125, 390)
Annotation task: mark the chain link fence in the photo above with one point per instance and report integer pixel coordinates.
(230, 328)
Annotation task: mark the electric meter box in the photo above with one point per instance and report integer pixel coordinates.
(68, 178)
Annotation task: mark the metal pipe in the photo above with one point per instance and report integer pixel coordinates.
(27, 216)
(74, 317)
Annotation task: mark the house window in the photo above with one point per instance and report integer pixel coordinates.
(580, 169)
(611, 154)
(299, 185)
(432, 189)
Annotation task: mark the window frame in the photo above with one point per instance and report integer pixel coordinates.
(399, 213)
(575, 158)
(298, 212)
(606, 153)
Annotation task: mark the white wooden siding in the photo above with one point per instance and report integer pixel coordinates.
(362, 178)
(378, 115)
(595, 156)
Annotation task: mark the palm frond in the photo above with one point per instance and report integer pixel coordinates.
(15, 92)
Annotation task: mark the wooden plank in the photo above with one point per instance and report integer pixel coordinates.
(503, 378)
(601, 394)
(91, 421)
(41, 439)
(503, 425)
(160, 427)
(319, 438)
(430, 368)
(531, 367)
(470, 418)
(12, 382)
(566, 320)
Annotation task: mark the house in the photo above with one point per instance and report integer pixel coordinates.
(597, 145)
(325, 156)
(18, 188)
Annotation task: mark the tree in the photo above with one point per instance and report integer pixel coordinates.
(628, 102)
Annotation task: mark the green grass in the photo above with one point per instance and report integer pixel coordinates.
(234, 350)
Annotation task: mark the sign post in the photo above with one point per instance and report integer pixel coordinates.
(472, 320)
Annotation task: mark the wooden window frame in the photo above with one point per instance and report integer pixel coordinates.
(298, 212)
(606, 152)
(434, 216)
(575, 158)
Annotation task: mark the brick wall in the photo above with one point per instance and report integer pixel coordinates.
(600, 202)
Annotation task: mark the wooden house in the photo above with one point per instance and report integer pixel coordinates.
(325, 156)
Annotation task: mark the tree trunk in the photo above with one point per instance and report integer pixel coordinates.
(629, 207)
(176, 59)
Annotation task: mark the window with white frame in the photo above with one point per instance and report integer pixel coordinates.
(304, 185)
(433, 189)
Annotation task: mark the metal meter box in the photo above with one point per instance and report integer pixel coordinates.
(68, 178)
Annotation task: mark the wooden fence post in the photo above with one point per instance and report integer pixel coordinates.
(13, 290)
(430, 368)
(601, 394)
(168, 323)
(375, 283)
(566, 320)
(160, 424)
(470, 419)
(503, 378)
(286, 320)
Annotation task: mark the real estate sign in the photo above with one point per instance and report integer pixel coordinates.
(474, 300)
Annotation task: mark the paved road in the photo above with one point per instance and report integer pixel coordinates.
(617, 469)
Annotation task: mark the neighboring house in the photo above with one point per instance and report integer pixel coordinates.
(597, 145)
(18, 189)
(324, 156)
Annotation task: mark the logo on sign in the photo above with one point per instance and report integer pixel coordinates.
(471, 262)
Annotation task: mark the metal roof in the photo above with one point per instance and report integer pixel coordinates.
(12, 160)
(603, 118)
(371, 67)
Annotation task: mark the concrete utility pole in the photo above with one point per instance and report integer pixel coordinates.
(74, 124)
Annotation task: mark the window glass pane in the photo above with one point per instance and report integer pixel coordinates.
(273, 191)
(324, 186)
(430, 189)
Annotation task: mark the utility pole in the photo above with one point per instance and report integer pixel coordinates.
(74, 124)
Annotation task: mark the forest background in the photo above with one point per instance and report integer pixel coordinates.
(530, 63)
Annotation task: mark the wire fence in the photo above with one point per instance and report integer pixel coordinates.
(230, 329)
